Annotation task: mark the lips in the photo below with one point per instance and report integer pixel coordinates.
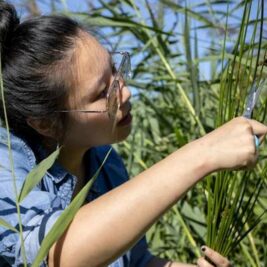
(127, 119)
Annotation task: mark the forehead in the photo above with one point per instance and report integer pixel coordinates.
(91, 55)
(90, 68)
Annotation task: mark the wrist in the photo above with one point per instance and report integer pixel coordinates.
(201, 157)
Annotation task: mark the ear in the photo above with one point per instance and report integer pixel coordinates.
(43, 126)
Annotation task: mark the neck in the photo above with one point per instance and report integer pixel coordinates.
(72, 161)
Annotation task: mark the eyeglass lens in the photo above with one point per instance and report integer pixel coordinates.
(113, 103)
(123, 74)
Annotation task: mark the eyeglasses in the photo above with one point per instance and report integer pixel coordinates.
(113, 99)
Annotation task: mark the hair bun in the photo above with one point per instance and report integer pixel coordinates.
(8, 22)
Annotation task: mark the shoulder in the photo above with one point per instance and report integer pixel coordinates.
(15, 151)
(113, 157)
(113, 171)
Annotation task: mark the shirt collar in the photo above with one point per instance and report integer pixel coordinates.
(93, 159)
(57, 171)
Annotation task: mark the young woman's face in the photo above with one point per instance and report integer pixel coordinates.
(93, 77)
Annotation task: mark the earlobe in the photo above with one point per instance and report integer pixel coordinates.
(42, 126)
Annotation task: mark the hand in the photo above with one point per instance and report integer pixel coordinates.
(232, 146)
(217, 259)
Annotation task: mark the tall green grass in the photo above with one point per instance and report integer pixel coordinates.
(174, 103)
(232, 197)
(13, 177)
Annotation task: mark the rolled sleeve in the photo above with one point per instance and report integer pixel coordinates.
(36, 223)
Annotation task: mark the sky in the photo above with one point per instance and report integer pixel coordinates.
(81, 5)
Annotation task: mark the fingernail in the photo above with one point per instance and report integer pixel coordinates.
(203, 248)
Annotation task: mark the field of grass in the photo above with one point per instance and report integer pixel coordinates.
(193, 65)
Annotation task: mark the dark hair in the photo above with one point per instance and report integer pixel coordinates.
(35, 59)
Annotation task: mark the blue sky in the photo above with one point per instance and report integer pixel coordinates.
(81, 5)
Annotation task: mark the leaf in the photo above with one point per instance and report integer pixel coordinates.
(155, 131)
(65, 218)
(7, 225)
(116, 22)
(34, 177)
(196, 15)
(195, 218)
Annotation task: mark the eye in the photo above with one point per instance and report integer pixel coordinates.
(103, 93)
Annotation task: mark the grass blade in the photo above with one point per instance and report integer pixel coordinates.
(35, 176)
(65, 218)
(7, 225)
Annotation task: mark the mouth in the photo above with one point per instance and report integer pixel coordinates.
(126, 120)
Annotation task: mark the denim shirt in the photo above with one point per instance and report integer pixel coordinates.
(44, 204)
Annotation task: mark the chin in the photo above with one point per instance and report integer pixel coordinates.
(122, 134)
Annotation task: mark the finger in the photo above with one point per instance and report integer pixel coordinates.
(215, 257)
(258, 128)
(201, 262)
(261, 138)
(253, 126)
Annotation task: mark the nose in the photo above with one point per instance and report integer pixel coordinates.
(124, 94)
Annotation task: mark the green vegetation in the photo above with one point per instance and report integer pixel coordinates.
(175, 101)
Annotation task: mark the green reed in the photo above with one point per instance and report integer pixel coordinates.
(232, 196)
(13, 177)
(173, 104)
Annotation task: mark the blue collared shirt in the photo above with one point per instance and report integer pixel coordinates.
(44, 204)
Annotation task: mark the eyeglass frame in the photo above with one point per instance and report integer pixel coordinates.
(117, 78)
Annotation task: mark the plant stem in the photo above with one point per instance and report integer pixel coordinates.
(172, 75)
(187, 232)
(12, 168)
(252, 243)
(246, 253)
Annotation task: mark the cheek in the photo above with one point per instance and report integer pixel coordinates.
(93, 130)
(90, 127)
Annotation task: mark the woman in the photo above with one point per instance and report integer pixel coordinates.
(61, 88)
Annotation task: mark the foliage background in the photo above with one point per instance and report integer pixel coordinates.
(180, 52)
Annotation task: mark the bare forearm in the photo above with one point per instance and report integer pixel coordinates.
(108, 226)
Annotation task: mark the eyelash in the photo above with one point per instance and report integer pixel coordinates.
(103, 93)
